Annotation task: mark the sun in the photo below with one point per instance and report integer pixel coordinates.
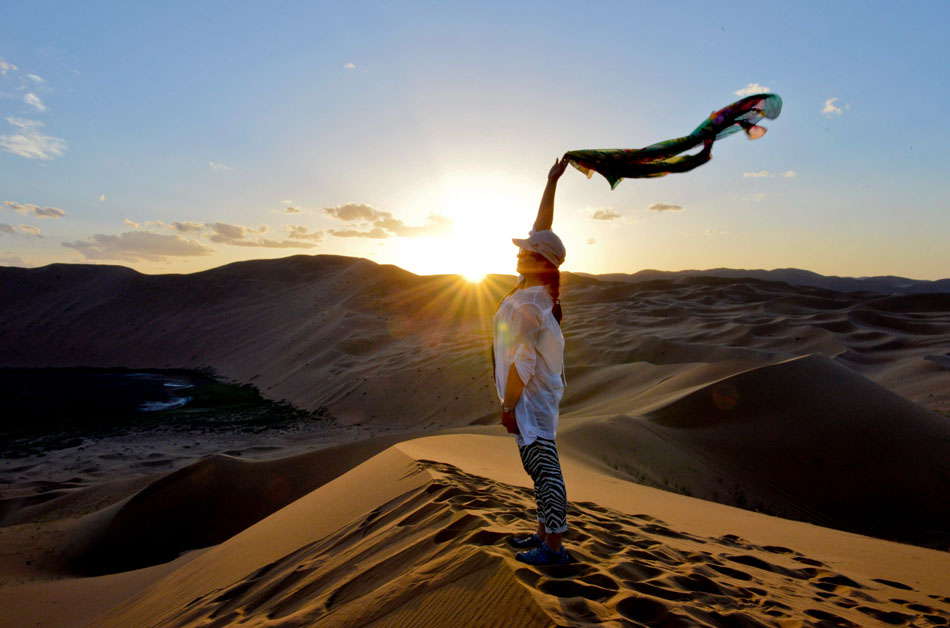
(473, 276)
(486, 210)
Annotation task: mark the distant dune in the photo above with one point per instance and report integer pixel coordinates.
(826, 411)
(887, 284)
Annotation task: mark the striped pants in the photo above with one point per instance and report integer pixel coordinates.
(541, 462)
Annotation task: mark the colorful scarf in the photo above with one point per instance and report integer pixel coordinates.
(662, 158)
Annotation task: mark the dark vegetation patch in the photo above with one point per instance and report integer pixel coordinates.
(55, 408)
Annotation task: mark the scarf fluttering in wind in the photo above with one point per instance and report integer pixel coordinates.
(662, 158)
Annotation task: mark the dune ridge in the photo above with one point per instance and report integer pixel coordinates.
(809, 404)
(434, 554)
(363, 339)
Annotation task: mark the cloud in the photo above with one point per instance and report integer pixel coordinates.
(218, 167)
(376, 232)
(591, 241)
(36, 78)
(788, 174)
(30, 143)
(6, 66)
(287, 202)
(605, 214)
(436, 225)
(29, 230)
(102, 197)
(752, 88)
(135, 246)
(300, 232)
(240, 235)
(665, 207)
(274, 244)
(291, 210)
(354, 211)
(11, 260)
(349, 66)
(383, 223)
(831, 109)
(148, 224)
(34, 101)
(187, 227)
(29, 209)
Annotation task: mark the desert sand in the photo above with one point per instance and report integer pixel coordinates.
(737, 452)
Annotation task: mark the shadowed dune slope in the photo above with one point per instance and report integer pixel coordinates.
(428, 549)
(368, 341)
(204, 504)
(805, 438)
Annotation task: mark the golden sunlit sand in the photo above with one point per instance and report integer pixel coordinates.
(736, 452)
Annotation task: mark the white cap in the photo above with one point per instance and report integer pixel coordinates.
(545, 243)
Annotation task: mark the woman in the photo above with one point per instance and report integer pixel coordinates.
(529, 376)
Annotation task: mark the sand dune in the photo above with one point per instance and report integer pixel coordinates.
(827, 409)
(405, 540)
(806, 439)
(366, 341)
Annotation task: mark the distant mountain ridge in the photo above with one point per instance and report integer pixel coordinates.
(887, 284)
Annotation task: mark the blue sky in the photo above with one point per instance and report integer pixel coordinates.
(179, 137)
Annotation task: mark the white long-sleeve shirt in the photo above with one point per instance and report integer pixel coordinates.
(528, 336)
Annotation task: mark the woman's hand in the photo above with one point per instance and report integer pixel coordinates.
(509, 421)
(557, 169)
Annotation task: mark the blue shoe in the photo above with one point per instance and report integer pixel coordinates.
(524, 542)
(544, 555)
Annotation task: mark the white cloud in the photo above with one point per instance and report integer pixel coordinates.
(240, 235)
(752, 88)
(134, 246)
(6, 66)
(665, 207)
(759, 174)
(20, 229)
(187, 227)
(831, 109)
(355, 211)
(36, 78)
(29, 142)
(349, 66)
(132, 223)
(605, 214)
(30, 209)
(789, 174)
(217, 167)
(102, 197)
(34, 101)
(300, 232)
(375, 232)
(383, 223)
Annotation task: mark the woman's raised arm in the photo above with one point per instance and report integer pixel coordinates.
(546, 209)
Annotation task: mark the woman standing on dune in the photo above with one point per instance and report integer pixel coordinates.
(529, 375)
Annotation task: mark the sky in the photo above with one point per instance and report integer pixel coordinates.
(178, 136)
